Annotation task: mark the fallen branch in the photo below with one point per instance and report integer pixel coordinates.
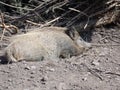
(15, 6)
(6, 27)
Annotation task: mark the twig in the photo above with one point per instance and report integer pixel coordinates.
(103, 11)
(39, 9)
(6, 27)
(36, 24)
(2, 21)
(114, 40)
(41, 6)
(15, 6)
(1, 39)
(43, 25)
(74, 19)
(101, 45)
(92, 71)
(112, 73)
(87, 23)
(83, 14)
(73, 9)
(59, 5)
(48, 23)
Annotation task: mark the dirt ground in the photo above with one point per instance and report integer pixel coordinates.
(96, 69)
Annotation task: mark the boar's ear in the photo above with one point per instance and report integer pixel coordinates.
(73, 34)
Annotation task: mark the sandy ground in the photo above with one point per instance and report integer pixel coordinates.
(96, 69)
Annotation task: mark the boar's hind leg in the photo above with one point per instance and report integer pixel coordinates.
(10, 57)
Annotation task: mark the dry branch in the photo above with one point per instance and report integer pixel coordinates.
(71, 12)
(6, 27)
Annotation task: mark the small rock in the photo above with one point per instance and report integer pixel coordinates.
(106, 41)
(29, 79)
(24, 62)
(9, 80)
(62, 86)
(32, 77)
(103, 52)
(95, 63)
(27, 68)
(33, 72)
(33, 67)
(84, 79)
(52, 69)
(10, 67)
(43, 80)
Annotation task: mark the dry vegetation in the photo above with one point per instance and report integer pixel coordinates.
(66, 13)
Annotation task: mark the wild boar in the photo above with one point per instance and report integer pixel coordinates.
(47, 43)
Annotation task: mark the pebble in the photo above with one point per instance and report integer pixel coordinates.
(9, 80)
(27, 68)
(33, 72)
(103, 52)
(33, 67)
(52, 69)
(30, 67)
(62, 86)
(95, 63)
(84, 79)
(44, 79)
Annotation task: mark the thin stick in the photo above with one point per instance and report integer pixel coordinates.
(2, 35)
(100, 45)
(48, 23)
(6, 27)
(2, 21)
(73, 9)
(36, 24)
(15, 6)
